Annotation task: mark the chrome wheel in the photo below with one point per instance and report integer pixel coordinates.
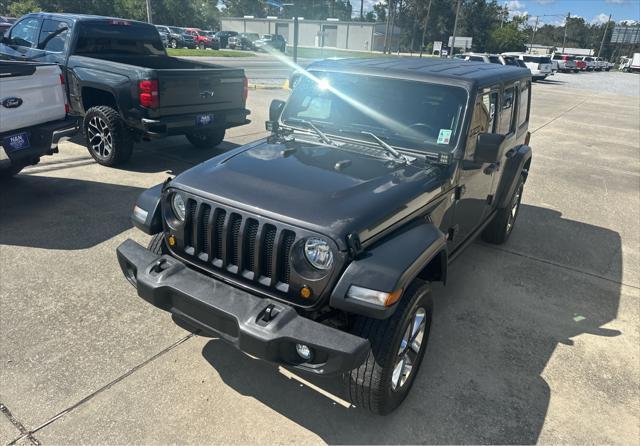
(100, 137)
(408, 353)
(514, 209)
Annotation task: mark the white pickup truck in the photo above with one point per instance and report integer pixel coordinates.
(33, 114)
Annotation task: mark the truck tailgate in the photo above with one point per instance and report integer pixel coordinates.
(38, 93)
(200, 90)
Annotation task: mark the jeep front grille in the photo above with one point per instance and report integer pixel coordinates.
(233, 243)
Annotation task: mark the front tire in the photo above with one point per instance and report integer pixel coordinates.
(500, 228)
(206, 140)
(201, 46)
(108, 140)
(398, 345)
(173, 44)
(12, 170)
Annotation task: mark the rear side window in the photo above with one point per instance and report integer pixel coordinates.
(494, 59)
(53, 35)
(476, 58)
(507, 107)
(119, 37)
(523, 107)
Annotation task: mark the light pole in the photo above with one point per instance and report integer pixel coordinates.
(149, 17)
(455, 28)
(295, 32)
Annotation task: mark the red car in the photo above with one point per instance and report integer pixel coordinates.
(581, 65)
(202, 39)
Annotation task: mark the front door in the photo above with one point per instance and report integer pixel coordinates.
(474, 189)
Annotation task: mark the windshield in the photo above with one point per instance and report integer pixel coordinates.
(409, 114)
(118, 36)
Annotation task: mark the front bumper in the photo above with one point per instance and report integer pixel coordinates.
(43, 140)
(181, 124)
(238, 316)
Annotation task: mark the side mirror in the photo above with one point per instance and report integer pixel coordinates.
(275, 110)
(488, 147)
(294, 79)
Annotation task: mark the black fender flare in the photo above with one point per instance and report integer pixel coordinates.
(516, 160)
(389, 265)
(146, 214)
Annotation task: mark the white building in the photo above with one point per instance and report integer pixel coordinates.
(330, 33)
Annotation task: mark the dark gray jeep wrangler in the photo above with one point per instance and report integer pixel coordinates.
(315, 247)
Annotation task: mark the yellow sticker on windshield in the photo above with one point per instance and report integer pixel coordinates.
(444, 136)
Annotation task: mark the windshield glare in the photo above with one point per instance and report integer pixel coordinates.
(409, 114)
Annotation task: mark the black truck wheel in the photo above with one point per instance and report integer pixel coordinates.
(109, 141)
(156, 244)
(398, 345)
(173, 43)
(202, 46)
(499, 230)
(206, 140)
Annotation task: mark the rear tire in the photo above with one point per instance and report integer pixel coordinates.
(156, 245)
(500, 228)
(206, 140)
(201, 46)
(383, 381)
(173, 44)
(109, 141)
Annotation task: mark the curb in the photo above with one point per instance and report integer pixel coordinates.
(284, 86)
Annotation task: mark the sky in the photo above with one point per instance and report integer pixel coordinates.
(554, 11)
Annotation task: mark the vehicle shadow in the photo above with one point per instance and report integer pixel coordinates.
(62, 213)
(172, 155)
(550, 81)
(496, 326)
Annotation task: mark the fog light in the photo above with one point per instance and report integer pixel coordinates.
(304, 351)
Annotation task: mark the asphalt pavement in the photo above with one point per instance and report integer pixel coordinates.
(533, 341)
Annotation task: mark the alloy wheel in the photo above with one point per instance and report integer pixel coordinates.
(100, 137)
(408, 353)
(514, 209)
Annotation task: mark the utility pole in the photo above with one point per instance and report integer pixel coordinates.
(533, 34)
(400, 14)
(455, 28)
(424, 30)
(393, 27)
(386, 29)
(362, 10)
(149, 17)
(564, 39)
(606, 28)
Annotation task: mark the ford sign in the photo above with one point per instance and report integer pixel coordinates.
(11, 102)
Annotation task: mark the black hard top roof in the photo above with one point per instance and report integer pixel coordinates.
(450, 71)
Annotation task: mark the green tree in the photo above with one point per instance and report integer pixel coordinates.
(507, 38)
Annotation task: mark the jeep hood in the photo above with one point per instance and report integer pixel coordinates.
(328, 190)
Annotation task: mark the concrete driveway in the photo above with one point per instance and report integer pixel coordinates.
(533, 341)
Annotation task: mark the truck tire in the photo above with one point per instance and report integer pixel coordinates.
(108, 140)
(173, 43)
(383, 381)
(500, 228)
(156, 244)
(202, 46)
(206, 140)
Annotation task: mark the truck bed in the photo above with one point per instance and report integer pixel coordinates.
(37, 90)
(184, 86)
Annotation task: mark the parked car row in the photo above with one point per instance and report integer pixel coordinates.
(175, 37)
(542, 66)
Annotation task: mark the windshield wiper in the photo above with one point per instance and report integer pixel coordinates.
(323, 136)
(387, 148)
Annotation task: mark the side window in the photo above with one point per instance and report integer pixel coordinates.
(53, 36)
(483, 121)
(25, 32)
(523, 107)
(507, 107)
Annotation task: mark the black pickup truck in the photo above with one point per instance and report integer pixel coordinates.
(121, 81)
(315, 247)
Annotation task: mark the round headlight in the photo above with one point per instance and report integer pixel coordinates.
(178, 206)
(318, 253)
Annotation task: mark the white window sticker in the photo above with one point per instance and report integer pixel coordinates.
(444, 136)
